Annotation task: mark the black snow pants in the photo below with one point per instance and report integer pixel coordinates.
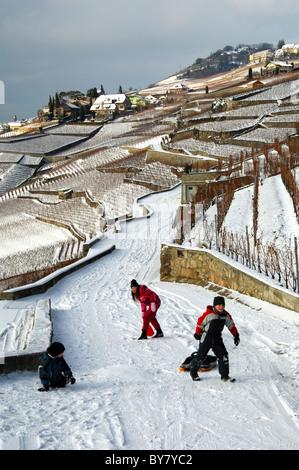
(216, 344)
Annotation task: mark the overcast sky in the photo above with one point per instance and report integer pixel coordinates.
(59, 45)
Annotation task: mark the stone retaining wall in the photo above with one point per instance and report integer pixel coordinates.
(199, 266)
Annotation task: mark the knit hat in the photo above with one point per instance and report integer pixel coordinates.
(218, 301)
(55, 349)
(134, 283)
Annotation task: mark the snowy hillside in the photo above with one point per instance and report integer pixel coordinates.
(277, 223)
(129, 394)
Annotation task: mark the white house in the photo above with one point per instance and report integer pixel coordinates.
(177, 88)
(109, 105)
(152, 99)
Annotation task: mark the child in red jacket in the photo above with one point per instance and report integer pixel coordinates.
(150, 303)
(209, 333)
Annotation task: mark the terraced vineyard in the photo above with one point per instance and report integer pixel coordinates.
(64, 186)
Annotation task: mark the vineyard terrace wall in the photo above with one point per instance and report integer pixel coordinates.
(199, 266)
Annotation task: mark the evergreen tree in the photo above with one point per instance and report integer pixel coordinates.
(81, 113)
(280, 43)
(92, 92)
(57, 100)
(51, 107)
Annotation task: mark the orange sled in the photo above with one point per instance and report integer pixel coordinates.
(207, 364)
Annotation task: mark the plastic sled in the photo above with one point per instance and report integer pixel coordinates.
(207, 364)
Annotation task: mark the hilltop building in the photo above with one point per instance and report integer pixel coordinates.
(261, 56)
(178, 88)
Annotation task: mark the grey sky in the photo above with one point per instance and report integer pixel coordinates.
(49, 45)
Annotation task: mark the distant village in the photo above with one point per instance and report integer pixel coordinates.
(97, 106)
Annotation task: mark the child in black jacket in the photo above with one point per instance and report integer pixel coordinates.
(53, 370)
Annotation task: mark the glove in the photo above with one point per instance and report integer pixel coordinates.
(237, 339)
(196, 336)
(153, 307)
(71, 380)
(43, 389)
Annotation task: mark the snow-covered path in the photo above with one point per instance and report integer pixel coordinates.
(129, 394)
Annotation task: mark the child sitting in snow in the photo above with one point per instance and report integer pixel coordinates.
(53, 370)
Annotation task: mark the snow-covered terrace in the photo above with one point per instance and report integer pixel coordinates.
(35, 246)
(157, 173)
(251, 111)
(226, 125)
(14, 176)
(280, 91)
(264, 134)
(111, 135)
(10, 157)
(209, 148)
(283, 118)
(73, 129)
(40, 145)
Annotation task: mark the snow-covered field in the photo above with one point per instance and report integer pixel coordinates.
(129, 394)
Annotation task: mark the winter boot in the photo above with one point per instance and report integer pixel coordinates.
(143, 335)
(195, 377)
(227, 379)
(159, 333)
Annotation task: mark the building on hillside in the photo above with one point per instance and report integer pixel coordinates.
(153, 100)
(261, 56)
(16, 125)
(216, 179)
(43, 114)
(254, 84)
(109, 106)
(178, 88)
(279, 54)
(66, 110)
(290, 49)
(278, 66)
(139, 102)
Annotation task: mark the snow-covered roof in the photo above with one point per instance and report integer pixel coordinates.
(105, 101)
(17, 123)
(178, 86)
(280, 63)
(290, 46)
(71, 105)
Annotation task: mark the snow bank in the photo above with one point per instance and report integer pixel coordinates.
(30, 336)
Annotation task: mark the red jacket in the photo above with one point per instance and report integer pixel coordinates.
(212, 323)
(147, 297)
